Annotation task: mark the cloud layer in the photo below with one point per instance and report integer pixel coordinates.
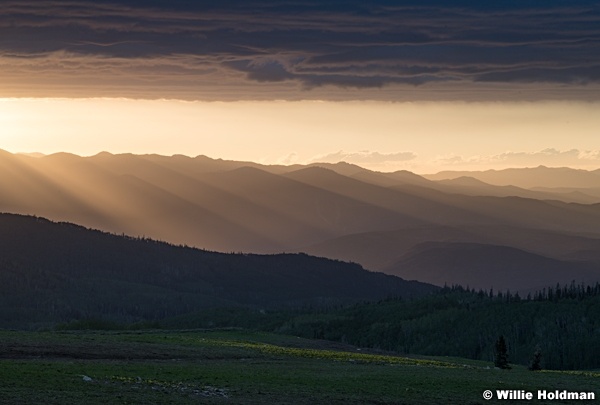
(548, 157)
(293, 50)
(365, 157)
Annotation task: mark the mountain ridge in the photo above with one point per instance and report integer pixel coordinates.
(53, 271)
(339, 211)
(485, 266)
(540, 176)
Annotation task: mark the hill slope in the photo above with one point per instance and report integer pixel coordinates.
(59, 271)
(488, 266)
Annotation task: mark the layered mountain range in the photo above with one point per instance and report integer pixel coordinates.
(518, 229)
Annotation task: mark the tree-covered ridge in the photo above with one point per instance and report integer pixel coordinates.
(562, 321)
(57, 272)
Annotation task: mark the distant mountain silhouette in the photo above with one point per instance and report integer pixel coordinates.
(472, 186)
(340, 211)
(488, 266)
(379, 250)
(540, 176)
(60, 271)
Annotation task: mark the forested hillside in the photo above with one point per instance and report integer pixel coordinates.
(564, 322)
(56, 272)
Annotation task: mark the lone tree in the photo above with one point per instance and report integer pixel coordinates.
(536, 360)
(501, 355)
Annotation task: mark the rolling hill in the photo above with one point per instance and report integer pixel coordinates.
(482, 266)
(52, 272)
(387, 251)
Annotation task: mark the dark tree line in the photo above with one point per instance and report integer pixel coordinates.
(562, 322)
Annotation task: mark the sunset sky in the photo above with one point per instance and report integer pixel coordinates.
(423, 86)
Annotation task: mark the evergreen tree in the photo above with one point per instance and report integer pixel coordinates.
(501, 355)
(536, 360)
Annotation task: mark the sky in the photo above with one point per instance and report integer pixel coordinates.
(389, 85)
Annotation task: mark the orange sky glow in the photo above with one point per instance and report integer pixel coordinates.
(386, 136)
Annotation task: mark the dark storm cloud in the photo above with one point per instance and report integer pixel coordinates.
(296, 49)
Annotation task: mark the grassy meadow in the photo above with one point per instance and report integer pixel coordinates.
(242, 367)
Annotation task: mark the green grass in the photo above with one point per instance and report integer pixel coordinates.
(241, 367)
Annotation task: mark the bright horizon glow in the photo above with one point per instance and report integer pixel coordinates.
(422, 137)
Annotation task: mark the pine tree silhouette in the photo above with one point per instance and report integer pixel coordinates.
(501, 357)
(536, 360)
